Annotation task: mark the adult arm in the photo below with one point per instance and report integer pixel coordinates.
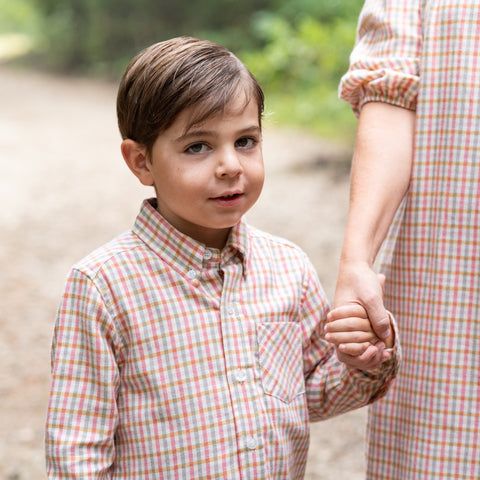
(380, 177)
(381, 86)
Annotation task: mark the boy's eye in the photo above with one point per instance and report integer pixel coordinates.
(245, 142)
(197, 148)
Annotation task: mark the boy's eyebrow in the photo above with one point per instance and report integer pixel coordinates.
(194, 133)
(211, 133)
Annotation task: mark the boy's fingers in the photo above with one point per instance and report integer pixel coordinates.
(346, 311)
(354, 349)
(351, 324)
(371, 357)
(368, 360)
(349, 337)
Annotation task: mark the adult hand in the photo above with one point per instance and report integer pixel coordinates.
(357, 283)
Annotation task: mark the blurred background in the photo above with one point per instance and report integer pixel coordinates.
(298, 49)
(64, 189)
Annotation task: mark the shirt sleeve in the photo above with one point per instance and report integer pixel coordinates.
(384, 64)
(333, 388)
(82, 411)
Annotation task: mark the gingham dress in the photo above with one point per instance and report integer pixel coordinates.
(425, 55)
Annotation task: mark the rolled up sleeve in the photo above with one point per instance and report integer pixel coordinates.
(384, 64)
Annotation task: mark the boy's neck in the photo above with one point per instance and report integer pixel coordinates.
(218, 242)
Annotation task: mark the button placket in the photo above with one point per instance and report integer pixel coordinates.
(237, 334)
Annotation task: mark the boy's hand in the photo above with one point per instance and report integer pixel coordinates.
(350, 330)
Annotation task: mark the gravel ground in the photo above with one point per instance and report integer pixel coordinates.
(64, 190)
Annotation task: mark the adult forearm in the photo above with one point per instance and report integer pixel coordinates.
(381, 170)
(380, 177)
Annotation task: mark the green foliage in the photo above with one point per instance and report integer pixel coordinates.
(100, 35)
(17, 16)
(322, 10)
(300, 67)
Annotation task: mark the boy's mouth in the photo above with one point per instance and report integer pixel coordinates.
(228, 197)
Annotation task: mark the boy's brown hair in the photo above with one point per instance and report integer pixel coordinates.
(170, 76)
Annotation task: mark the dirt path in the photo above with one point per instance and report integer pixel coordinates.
(64, 190)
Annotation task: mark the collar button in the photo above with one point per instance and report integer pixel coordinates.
(192, 274)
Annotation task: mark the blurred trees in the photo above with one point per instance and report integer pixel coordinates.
(298, 49)
(82, 35)
(300, 64)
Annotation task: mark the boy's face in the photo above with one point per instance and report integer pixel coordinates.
(208, 175)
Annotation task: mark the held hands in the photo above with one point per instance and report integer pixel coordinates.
(358, 284)
(350, 330)
(359, 299)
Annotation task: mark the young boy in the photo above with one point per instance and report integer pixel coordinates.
(191, 347)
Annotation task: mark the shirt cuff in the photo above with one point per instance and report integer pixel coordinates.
(391, 364)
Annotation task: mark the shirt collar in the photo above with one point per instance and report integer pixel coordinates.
(182, 251)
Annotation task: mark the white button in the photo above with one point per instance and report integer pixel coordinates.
(192, 274)
(231, 310)
(252, 443)
(208, 254)
(240, 375)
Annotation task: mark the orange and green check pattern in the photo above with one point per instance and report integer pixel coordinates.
(424, 56)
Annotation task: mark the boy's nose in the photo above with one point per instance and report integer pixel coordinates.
(229, 164)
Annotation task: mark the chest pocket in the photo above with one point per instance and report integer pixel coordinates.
(281, 359)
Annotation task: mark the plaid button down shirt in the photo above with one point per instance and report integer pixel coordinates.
(171, 360)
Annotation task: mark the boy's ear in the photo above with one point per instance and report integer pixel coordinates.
(136, 158)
